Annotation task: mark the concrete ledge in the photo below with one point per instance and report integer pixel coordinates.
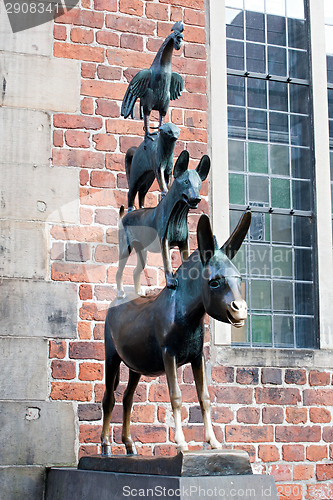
(22, 483)
(73, 484)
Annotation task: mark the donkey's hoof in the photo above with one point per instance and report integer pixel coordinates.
(121, 294)
(182, 447)
(106, 450)
(131, 449)
(172, 283)
(215, 445)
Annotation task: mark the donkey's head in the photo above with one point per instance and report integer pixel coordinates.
(187, 183)
(221, 293)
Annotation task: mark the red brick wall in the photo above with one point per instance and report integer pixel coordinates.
(281, 417)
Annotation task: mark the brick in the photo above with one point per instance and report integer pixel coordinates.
(86, 350)
(248, 433)
(76, 158)
(194, 17)
(193, 4)
(195, 51)
(319, 378)
(76, 121)
(195, 118)
(80, 52)
(129, 58)
(130, 24)
(274, 395)
(165, 450)
(79, 35)
(177, 116)
(71, 391)
(57, 251)
(108, 73)
(106, 253)
(87, 106)
(87, 450)
(293, 453)
(196, 84)
(128, 142)
(85, 292)
(280, 472)
(91, 311)
(296, 415)
(159, 393)
(104, 293)
(107, 38)
(234, 395)
(324, 472)
(105, 142)
(322, 491)
(318, 397)
(77, 139)
(268, 453)
(294, 434)
(134, 7)
(107, 108)
(176, 13)
(58, 349)
(103, 89)
(107, 216)
(84, 330)
(127, 127)
(63, 369)
(86, 216)
(222, 415)
(122, 181)
(328, 434)
(92, 234)
(272, 415)
(102, 179)
(109, 5)
(133, 42)
(88, 70)
(295, 376)
(157, 11)
(271, 376)
(320, 415)
(249, 449)
(78, 17)
(248, 415)
(197, 150)
(303, 472)
(58, 138)
(143, 413)
(316, 453)
(98, 332)
(188, 375)
(247, 376)
(90, 433)
(103, 197)
(59, 32)
(148, 433)
(77, 252)
(331, 451)
(91, 371)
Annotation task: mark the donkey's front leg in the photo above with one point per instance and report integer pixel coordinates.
(199, 373)
(171, 282)
(127, 408)
(175, 398)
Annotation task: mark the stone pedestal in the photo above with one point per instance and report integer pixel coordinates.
(195, 475)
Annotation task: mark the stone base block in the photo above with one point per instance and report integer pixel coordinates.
(74, 484)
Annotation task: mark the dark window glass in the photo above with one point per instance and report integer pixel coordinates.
(300, 130)
(329, 60)
(278, 96)
(236, 155)
(296, 33)
(302, 195)
(235, 54)
(298, 64)
(277, 61)
(255, 27)
(281, 229)
(256, 93)
(236, 122)
(304, 298)
(276, 30)
(258, 189)
(279, 129)
(283, 331)
(301, 163)
(330, 102)
(236, 90)
(303, 267)
(299, 99)
(303, 230)
(255, 58)
(304, 332)
(257, 124)
(279, 158)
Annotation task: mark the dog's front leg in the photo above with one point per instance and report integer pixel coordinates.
(171, 282)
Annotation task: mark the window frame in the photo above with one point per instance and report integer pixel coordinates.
(222, 349)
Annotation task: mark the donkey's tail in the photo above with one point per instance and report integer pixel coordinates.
(128, 162)
(121, 212)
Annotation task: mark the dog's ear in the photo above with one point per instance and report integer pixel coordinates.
(181, 164)
(203, 167)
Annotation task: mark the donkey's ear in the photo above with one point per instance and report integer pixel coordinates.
(205, 237)
(233, 243)
(203, 167)
(181, 164)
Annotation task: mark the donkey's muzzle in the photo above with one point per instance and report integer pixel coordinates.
(237, 313)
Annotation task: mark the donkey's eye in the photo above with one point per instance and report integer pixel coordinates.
(214, 283)
(187, 181)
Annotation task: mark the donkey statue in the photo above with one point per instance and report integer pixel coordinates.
(156, 334)
(163, 227)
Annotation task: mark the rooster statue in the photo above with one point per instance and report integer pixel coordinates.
(157, 85)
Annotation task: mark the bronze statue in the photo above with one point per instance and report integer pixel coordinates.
(156, 334)
(163, 227)
(151, 159)
(158, 84)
